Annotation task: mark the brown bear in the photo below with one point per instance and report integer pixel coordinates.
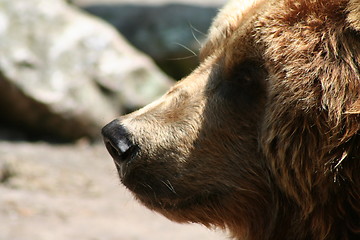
(263, 138)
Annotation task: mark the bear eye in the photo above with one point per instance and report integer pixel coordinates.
(245, 83)
(246, 72)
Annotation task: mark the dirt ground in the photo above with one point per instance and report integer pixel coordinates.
(151, 2)
(62, 192)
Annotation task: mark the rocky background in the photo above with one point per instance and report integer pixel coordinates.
(66, 69)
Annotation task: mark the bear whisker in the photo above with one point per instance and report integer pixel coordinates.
(169, 186)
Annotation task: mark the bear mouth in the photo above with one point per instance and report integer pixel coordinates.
(174, 205)
(162, 196)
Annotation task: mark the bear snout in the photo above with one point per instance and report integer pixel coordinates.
(117, 141)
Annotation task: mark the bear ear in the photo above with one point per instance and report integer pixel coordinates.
(354, 14)
(232, 15)
(354, 108)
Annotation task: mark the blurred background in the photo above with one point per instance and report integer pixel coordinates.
(67, 67)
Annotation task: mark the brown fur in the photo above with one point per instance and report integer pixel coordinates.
(263, 138)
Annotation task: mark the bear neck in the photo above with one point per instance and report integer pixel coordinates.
(314, 166)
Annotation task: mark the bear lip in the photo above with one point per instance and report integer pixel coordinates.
(180, 203)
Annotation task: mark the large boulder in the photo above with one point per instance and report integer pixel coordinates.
(171, 33)
(64, 73)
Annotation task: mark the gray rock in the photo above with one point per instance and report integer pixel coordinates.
(64, 73)
(171, 33)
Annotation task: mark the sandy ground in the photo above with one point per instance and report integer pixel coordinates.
(63, 192)
(151, 2)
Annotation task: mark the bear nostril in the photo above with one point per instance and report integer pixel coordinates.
(116, 150)
(117, 142)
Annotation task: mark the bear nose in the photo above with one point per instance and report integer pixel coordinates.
(117, 142)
